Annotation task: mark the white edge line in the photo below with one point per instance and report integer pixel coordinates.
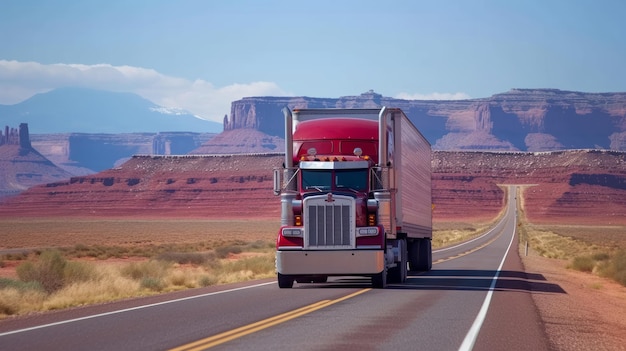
(472, 334)
(131, 309)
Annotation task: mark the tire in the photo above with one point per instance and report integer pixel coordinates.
(379, 281)
(398, 273)
(426, 253)
(285, 281)
(420, 255)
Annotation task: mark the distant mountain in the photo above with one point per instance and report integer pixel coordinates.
(81, 110)
(520, 119)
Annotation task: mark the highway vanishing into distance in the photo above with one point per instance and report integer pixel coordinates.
(476, 297)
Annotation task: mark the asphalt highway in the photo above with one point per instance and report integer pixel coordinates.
(476, 297)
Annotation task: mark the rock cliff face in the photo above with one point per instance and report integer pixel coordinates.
(521, 119)
(577, 187)
(21, 166)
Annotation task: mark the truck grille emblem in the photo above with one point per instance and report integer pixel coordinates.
(330, 198)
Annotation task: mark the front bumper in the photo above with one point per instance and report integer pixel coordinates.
(340, 262)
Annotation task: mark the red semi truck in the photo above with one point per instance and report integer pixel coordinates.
(355, 196)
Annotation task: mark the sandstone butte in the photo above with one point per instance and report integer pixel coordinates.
(586, 187)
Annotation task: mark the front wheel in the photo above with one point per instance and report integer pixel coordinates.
(285, 281)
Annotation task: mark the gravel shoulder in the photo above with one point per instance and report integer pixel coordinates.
(591, 313)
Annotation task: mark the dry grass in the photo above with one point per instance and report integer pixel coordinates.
(599, 250)
(107, 260)
(109, 281)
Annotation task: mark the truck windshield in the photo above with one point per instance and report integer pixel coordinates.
(353, 179)
(318, 180)
(322, 180)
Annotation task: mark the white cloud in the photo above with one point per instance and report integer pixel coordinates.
(21, 80)
(433, 96)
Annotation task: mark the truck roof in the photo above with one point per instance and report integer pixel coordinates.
(336, 136)
(337, 128)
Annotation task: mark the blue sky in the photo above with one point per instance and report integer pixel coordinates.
(201, 55)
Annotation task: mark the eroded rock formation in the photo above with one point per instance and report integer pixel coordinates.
(21, 166)
(520, 119)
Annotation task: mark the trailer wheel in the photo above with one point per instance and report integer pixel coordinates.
(285, 281)
(379, 281)
(420, 255)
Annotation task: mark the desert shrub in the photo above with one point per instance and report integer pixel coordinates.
(600, 256)
(207, 280)
(52, 271)
(224, 251)
(152, 283)
(48, 270)
(147, 269)
(583, 263)
(615, 268)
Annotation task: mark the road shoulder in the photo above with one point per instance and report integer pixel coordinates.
(589, 316)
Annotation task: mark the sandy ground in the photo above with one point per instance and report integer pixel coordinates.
(591, 315)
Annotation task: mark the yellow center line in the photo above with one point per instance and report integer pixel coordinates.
(260, 325)
(450, 258)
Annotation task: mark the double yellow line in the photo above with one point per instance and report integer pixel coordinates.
(260, 325)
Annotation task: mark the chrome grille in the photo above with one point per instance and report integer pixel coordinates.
(329, 224)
